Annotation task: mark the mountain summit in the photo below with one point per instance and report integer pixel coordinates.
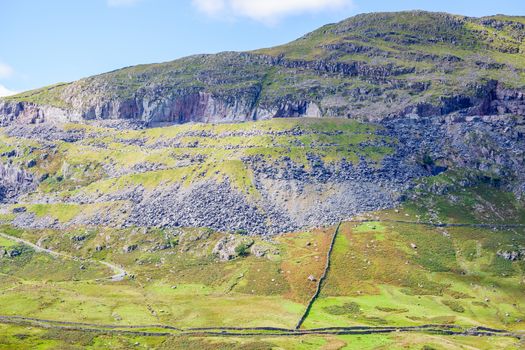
(371, 66)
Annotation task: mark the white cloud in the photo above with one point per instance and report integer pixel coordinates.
(210, 7)
(6, 92)
(268, 11)
(6, 70)
(122, 3)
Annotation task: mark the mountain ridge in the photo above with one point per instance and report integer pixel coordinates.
(370, 66)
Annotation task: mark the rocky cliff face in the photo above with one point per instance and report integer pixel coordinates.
(367, 67)
(14, 182)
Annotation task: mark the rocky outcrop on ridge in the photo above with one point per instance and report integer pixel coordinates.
(369, 67)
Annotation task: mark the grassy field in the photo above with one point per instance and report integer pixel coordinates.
(183, 285)
(390, 271)
(394, 273)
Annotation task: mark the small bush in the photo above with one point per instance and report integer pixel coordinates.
(428, 347)
(458, 295)
(479, 303)
(391, 309)
(351, 308)
(454, 305)
(242, 249)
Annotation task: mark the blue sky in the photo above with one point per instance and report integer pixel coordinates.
(48, 41)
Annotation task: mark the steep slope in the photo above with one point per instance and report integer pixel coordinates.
(370, 66)
(262, 177)
(405, 190)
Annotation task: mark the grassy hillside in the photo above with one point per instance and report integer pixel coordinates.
(390, 271)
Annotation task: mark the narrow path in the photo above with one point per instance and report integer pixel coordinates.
(321, 279)
(118, 272)
(34, 246)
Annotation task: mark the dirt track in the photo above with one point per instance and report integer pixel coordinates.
(118, 272)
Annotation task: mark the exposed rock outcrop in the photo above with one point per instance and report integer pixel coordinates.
(231, 246)
(14, 182)
(292, 195)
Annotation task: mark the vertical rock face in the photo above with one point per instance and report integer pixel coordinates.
(31, 113)
(13, 182)
(200, 106)
(179, 108)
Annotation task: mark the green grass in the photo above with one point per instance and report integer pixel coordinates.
(382, 273)
(376, 278)
(50, 95)
(183, 285)
(401, 273)
(7, 243)
(20, 337)
(436, 281)
(61, 212)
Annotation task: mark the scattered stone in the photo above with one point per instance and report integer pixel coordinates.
(9, 154)
(19, 210)
(512, 255)
(261, 249)
(130, 248)
(12, 253)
